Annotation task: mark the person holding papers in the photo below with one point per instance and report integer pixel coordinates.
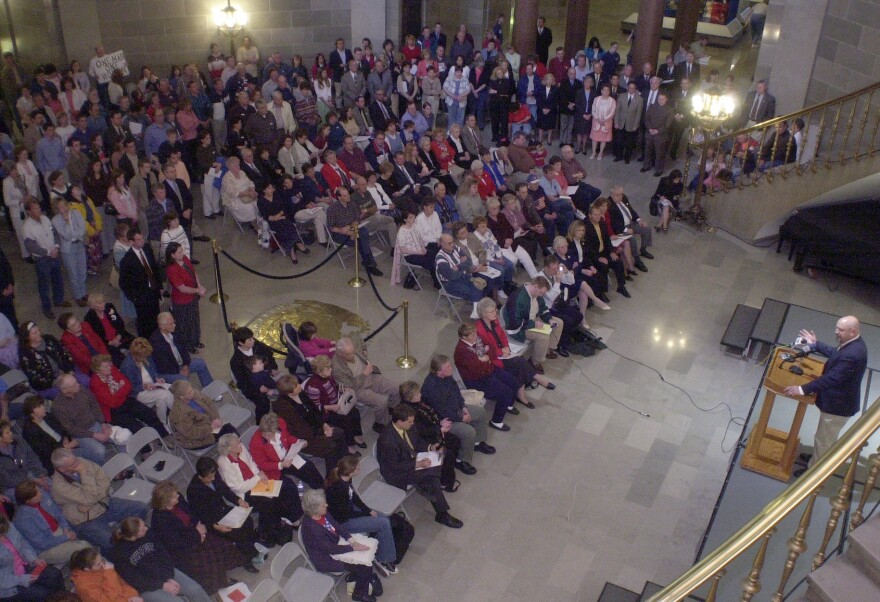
(275, 451)
(191, 546)
(528, 318)
(246, 480)
(477, 371)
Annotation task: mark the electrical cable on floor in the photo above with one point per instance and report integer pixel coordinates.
(609, 395)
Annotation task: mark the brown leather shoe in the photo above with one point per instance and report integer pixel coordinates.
(551, 355)
(538, 368)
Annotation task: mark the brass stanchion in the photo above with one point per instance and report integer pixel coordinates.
(406, 361)
(215, 298)
(357, 281)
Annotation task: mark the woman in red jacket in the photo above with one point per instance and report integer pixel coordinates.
(112, 389)
(81, 340)
(491, 333)
(270, 445)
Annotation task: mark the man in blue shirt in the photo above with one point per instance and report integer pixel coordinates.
(51, 155)
(155, 135)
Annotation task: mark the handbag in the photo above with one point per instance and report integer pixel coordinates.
(346, 402)
(654, 205)
(110, 210)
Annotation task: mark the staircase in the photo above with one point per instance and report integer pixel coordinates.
(854, 576)
(615, 593)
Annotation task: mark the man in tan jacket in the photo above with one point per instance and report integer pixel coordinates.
(82, 490)
(355, 371)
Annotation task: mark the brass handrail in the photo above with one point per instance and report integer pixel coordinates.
(773, 513)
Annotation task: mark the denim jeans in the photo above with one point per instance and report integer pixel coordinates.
(456, 113)
(49, 277)
(196, 366)
(188, 588)
(364, 249)
(97, 531)
(91, 450)
(564, 214)
(75, 266)
(380, 526)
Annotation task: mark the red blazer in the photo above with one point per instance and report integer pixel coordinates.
(485, 185)
(82, 357)
(469, 366)
(490, 341)
(265, 455)
(332, 177)
(443, 153)
(106, 399)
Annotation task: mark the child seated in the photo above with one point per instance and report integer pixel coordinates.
(520, 120)
(96, 580)
(539, 154)
(312, 345)
(262, 380)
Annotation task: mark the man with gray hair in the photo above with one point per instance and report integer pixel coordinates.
(625, 220)
(355, 371)
(82, 490)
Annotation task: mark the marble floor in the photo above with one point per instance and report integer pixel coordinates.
(585, 488)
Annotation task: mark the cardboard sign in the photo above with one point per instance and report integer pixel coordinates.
(103, 67)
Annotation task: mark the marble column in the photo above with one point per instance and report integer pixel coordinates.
(576, 20)
(647, 44)
(525, 29)
(686, 20)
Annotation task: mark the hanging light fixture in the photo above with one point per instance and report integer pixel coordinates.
(230, 22)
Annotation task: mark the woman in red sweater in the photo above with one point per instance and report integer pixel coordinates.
(112, 389)
(81, 340)
(186, 290)
(270, 445)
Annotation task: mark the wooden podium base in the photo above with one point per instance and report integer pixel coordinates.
(768, 456)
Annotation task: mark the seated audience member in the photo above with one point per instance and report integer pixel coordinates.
(325, 393)
(311, 344)
(96, 579)
(469, 201)
(340, 216)
(625, 220)
(80, 415)
(146, 385)
(242, 474)
(501, 251)
(24, 575)
(434, 430)
(18, 462)
(112, 389)
(305, 420)
(588, 283)
(469, 244)
(518, 230)
(526, 316)
(41, 522)
(321, 536)
(345, 505)
(210, 499)
(173, 361)
(455, 272)
(43, 359)
(44, 433)
(356, 372)
(557, 298)
(247, 346)
(669, 189)
(82, 489)
(411, 246)
(598, 244)
(194, 418)
(143, 561)
(261, 379)
(574, 174)
(269, 447)
(191, 548)
(80, 341)
(108, 325)
(396, 452)
(477, 371)
(271, 208)
(445, 207)
(428, 223)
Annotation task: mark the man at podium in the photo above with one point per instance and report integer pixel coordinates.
(838, 390)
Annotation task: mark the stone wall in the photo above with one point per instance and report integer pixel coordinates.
(36, 35)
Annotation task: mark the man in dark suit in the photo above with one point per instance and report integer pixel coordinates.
(471, 136)
(658, 119)
(666, 73)
(681, 116)
(543, 41)
(568, 91)
(689, 69)
(838, 390)
(643, 81)
(173, 361)
(397, 451)
(180, 196)
(380, 110)
(759, 106)
(602, 253)
(116, 132)
(625, 220)
(338, 60)
(141, 280)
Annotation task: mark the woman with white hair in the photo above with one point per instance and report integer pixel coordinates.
(238, 192)
(242, 475)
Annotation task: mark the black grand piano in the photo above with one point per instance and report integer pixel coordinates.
(842, 237)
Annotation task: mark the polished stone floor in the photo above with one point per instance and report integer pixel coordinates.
(584, 489)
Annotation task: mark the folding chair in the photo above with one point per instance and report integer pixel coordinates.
(247, 436)
(217, 389)
(265, 591)
(13, 377)
(303, 585)
(409, 268)
(234, 415)
(331, 246)
(381, 497)
(444, 294)
(337, 577)
(227, 212)
(134, 488)
(190, 454)
(149, 466)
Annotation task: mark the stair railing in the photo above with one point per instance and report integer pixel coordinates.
(856, 109)
(709, 571)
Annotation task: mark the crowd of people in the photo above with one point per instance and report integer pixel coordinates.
(300, 155)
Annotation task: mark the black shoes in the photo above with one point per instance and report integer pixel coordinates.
(646, 255)
(374, 270)
(465, 467)
(622, 290)
(603, 297)
(562, 351)
(202, 238)
(513, 411)
(379, 428)
(485, 448)
(363, 598)
(446, 519)
(657, 174)
(640, 265)
(250, 568)
(502, 427)
(805, 457)
(644, 169)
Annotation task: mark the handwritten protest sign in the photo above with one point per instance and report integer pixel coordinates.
(102, 68)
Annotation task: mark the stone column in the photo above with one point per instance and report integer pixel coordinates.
(686, 20)
(576, 26)
(525, 28)
(647, 45)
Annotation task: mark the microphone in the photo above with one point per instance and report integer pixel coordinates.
(802, 349)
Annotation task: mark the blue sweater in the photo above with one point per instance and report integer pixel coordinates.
(34, 527)
(9, 581)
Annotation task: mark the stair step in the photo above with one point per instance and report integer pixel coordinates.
(649, 590)
(864, 549)
(615, 593)
(840, 580)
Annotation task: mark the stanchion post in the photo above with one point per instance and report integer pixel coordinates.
(406, 361)
(215, 298)
(357, 281)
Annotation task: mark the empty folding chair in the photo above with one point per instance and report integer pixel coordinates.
(303, 584)
(159, 465)
(266, 591)
(378, 495)
(234, 415)
(217, 389)
(133, 488)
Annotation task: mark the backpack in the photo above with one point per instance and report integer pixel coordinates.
(296, 359)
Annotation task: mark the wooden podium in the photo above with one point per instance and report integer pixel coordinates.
(770, 451)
